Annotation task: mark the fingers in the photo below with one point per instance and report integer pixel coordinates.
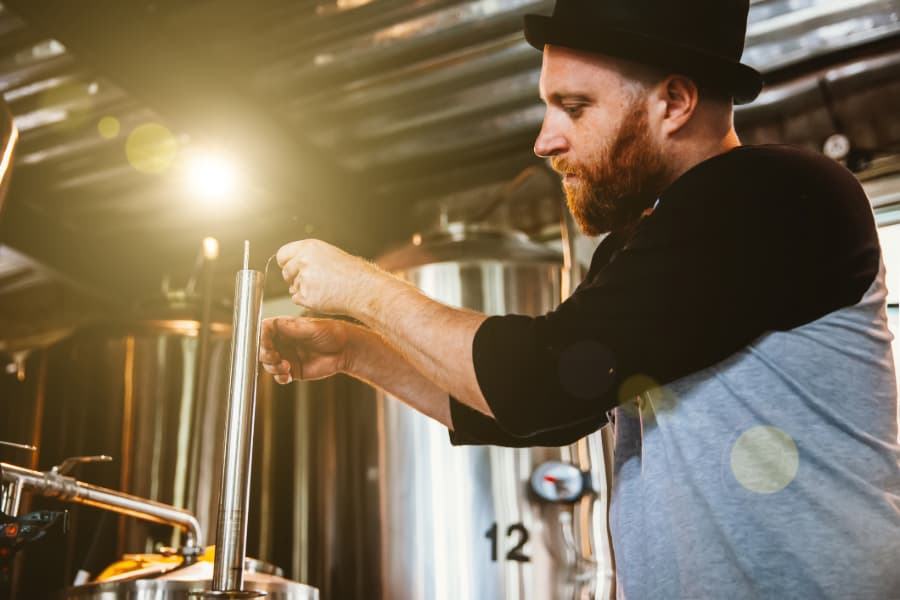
(294, 285)
(290, 271)
(282, 367)
(281, 346)
(287, 252)
(281, 371)
(268, 353)
(293, 250)
(269, 356)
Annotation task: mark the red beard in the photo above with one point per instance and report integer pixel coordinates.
(625, 180)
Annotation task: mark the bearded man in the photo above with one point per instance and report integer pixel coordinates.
(739, 295)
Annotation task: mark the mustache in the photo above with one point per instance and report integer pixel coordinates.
(562, 166)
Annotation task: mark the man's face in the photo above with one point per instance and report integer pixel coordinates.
(597, 135)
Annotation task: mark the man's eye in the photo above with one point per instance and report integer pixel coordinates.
(573, 110)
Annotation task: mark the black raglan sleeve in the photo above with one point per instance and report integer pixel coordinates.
(757, 240)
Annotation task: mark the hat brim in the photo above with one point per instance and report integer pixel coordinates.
(741, 81)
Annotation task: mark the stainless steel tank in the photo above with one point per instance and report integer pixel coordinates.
(185, 583)
(462, 523)
(129, 389)
(317, 445)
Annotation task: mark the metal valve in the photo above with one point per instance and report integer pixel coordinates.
(560, 482)
(66, 466)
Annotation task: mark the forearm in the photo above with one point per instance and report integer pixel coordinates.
(436, 339)
(375, 362)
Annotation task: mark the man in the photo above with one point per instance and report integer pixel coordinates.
(739, 296)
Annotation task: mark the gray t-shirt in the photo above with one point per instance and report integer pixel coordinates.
(772, 474)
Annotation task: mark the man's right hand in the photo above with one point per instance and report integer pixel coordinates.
(294, 349)
(299, 348)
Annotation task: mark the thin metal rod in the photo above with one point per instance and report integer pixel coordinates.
(199, 398)
(72, 490)
(231, 530)
(28, 447)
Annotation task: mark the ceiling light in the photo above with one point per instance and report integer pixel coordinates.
(212, 175)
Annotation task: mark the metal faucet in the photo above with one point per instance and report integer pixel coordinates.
(56, 484)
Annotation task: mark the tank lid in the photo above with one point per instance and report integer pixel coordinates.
(465, 242)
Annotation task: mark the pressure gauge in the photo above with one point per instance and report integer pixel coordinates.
(559, 482)
(837, 147)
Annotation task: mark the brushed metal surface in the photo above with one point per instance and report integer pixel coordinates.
(185, 583)
(234, 493)
(454, 519)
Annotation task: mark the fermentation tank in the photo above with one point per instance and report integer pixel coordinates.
(130, 389)
(464, 522)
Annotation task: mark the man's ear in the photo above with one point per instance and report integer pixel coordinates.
(678, 98)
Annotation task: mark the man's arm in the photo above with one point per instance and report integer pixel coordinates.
(375, 362)
(436, 339)
(305, 349)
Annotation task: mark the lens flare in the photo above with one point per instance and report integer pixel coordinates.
(109, 127)
(631, 389)
(151, 148)
(764, 459)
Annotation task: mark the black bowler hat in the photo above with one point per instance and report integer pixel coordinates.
(703, 39)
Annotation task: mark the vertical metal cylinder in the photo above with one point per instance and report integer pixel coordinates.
(202, 369)
(231, 532)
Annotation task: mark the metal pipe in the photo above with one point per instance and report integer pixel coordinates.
(209, 257)
(70, 489)
(231, 530)
(28, 447)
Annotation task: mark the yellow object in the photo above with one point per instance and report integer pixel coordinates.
(160, 563)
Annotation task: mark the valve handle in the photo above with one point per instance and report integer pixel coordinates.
(70, 463)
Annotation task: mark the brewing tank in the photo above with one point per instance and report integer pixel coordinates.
(131, 389)
(462, 522)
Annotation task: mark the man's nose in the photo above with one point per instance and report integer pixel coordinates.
(550, 140)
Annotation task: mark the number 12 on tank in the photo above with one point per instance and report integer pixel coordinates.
(517, 535)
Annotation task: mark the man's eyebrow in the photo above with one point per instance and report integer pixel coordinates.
(560, 97)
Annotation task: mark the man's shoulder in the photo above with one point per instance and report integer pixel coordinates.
(767, 164)
(770, 178)
(784, 161)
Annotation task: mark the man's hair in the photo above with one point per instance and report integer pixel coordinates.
(646, 76)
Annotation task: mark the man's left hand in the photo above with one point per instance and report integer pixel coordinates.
(326, 279)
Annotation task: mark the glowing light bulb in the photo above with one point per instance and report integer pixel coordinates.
(211, 176)
(210, 248)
